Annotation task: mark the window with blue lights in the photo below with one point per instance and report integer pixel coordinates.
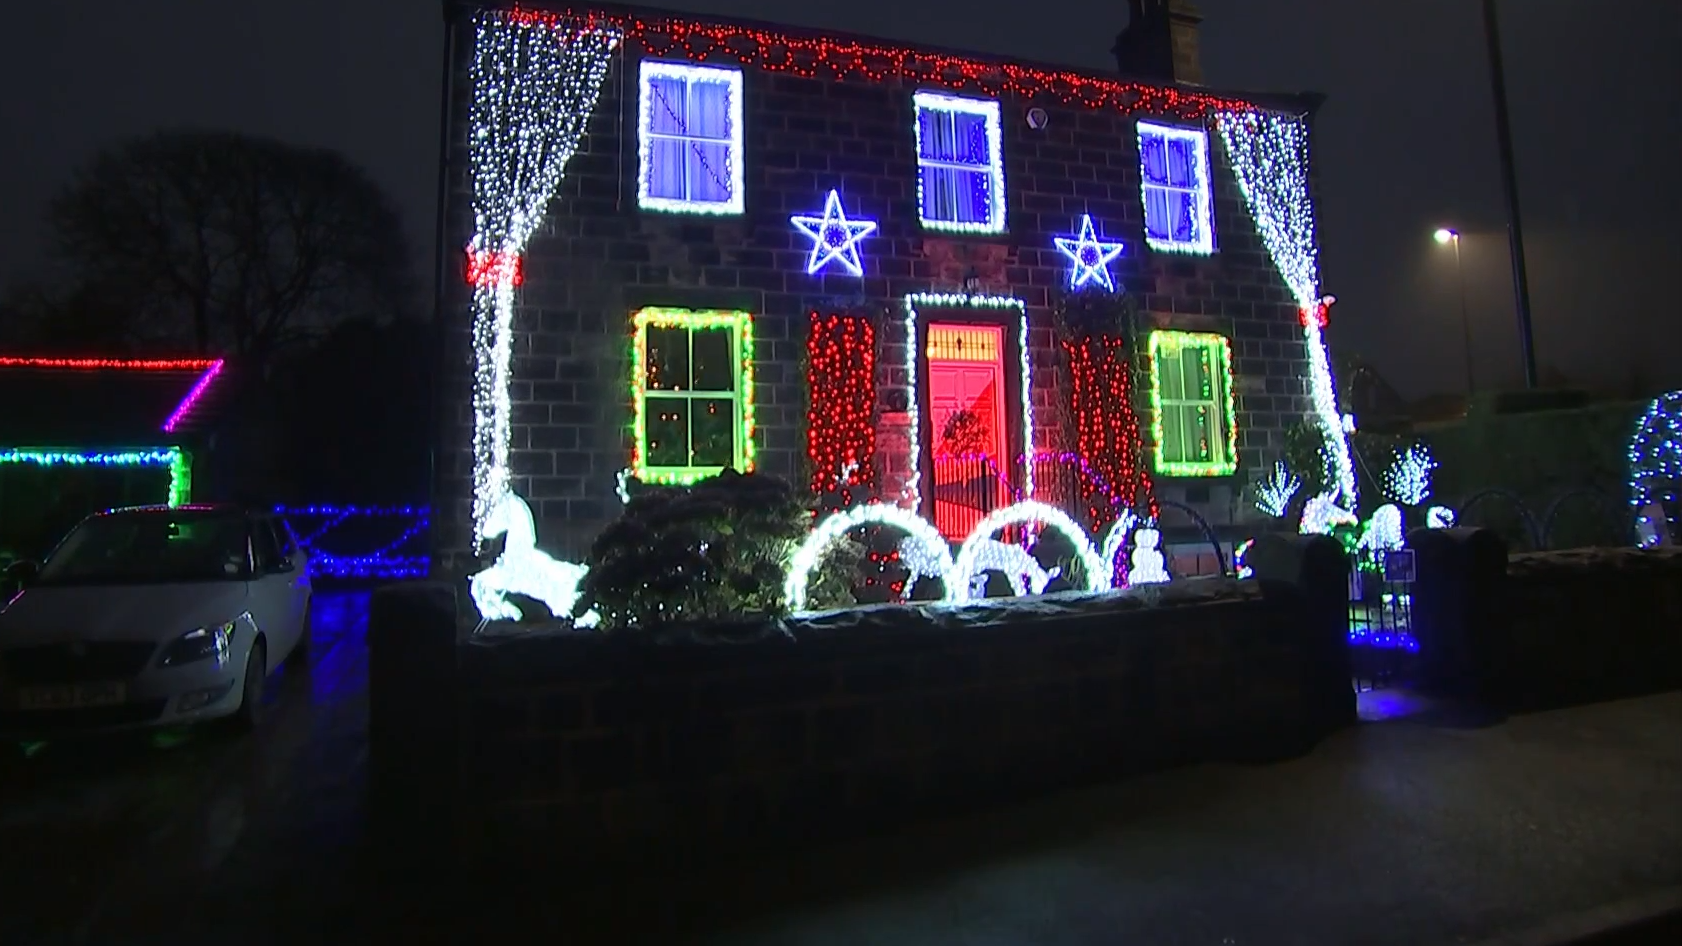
(689, 135)
(1174, 181)
(960, 171)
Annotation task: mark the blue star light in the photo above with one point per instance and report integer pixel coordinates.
(834, 237)
(1090, 255)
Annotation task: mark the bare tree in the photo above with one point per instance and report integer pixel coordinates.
(227, 243)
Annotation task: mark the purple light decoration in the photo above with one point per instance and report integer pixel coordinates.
(834, 237)
(192, 399)
(1090, 255)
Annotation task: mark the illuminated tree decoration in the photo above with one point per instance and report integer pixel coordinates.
(1274, 494)
(1655, 470)
(174, 459)
(1090, 257)
(841, 419)
(936, 300)
(698, 386)
(523, 569)
(970, 562)
(534, 83)
(835, 239)
(1269, 157)
(1193, 418)
(1408, 479)
(810, 552)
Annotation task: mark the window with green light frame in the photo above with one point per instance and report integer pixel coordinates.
(1193, 419)
(692, 391)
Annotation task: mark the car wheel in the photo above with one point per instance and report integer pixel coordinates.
(251, 690)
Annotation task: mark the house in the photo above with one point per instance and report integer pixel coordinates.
(939, 280)
(82, 434)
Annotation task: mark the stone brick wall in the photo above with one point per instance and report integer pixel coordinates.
(598, 259)
(591, 749)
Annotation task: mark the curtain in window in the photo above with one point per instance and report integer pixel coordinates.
(689, 139)
(709, 157)
(956, 167)
(1169, 167)
(668, 110)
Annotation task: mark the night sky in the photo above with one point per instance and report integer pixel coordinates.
(1406, 142)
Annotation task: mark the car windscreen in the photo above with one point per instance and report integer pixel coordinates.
(144, 548)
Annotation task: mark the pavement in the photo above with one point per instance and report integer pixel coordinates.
(1425, 827)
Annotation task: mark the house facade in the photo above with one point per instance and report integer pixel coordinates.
(935, 280)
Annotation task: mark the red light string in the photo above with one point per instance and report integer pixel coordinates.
(1106, 429)
(812, 57)
(486, 269)
(113, 364)
(841, 422)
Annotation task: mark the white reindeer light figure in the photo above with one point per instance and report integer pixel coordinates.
(523, 568)
(1021, 569)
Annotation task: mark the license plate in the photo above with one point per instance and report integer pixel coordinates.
(76, 696)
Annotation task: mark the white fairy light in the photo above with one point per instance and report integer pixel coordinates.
(1408, 480)
(1655, 468)
(730, 177)
(810, 551)
(1384, 530)
(1017, 564)
(1269, 157)
(1322, 513)
(921, 560)
(1274, 494)
(535, 81)
(1115, 539)
(939, 300)
(1439, 517)
(1146, 566)
(524, 569)
(968, 561)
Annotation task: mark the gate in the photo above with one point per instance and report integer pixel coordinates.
(1382, 647)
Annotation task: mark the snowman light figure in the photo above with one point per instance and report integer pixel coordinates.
(1147, 559)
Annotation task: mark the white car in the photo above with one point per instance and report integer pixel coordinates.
(152, 616)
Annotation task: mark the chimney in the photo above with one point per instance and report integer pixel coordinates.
(1160, 42)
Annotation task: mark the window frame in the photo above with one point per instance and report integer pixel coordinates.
(689, 73)
(740, 325)
(1201, 189)
(990, 112)
(1223, 403)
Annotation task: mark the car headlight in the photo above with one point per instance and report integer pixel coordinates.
(203, 644)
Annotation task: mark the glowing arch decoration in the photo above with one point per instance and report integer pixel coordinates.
(970, 555)
(1115, 540)
(917, 528)
(524, 569)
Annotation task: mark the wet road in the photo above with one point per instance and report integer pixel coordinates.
(121, 841)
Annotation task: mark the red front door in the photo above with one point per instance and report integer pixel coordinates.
(965, 404)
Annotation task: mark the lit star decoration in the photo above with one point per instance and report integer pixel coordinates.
(1655, 469)
(1269, 157)
(535, 81)
(835, 239)
(1091, 256)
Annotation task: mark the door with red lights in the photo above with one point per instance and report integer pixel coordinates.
(968, 447)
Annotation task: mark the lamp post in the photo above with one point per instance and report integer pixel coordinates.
(1509, 184)
(1446, 235)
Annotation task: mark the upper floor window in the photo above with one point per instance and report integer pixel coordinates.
(1193, 417)
(960, 170)
(1174, 176)
(689, 136)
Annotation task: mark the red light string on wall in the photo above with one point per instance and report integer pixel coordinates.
(1106, 429)
(486, 268)
(814, 57)
(840, 423)
(112, 364)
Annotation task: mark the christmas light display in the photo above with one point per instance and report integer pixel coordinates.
(1107, 437)
(840, 422)
(388, 561)
(680, 398)
(1269, 157)
(1239, 553)
(1655, 469)
(1408, 480)
(184, 409)
(968, 563)
(522, 568)
(1274, 494)
(810, 551)
(835, 239)
(1383, 531)
(1174, 188)
(673, 37)
(689, 137)
(1024, 572)
(1147, 566)
(1115, 540)
(934, 300)
(534, 81)
(173, 459)
(1193, 402)
(1439, 517)
(922, 560)
(1322, 514)
(1090, 257)
(950, 175)
(111, 364)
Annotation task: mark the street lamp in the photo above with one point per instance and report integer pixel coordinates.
(1447, 235)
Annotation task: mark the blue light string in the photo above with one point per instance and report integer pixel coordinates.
(383, 562)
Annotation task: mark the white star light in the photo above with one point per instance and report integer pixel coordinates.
(1090, 255)
(834, 237)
